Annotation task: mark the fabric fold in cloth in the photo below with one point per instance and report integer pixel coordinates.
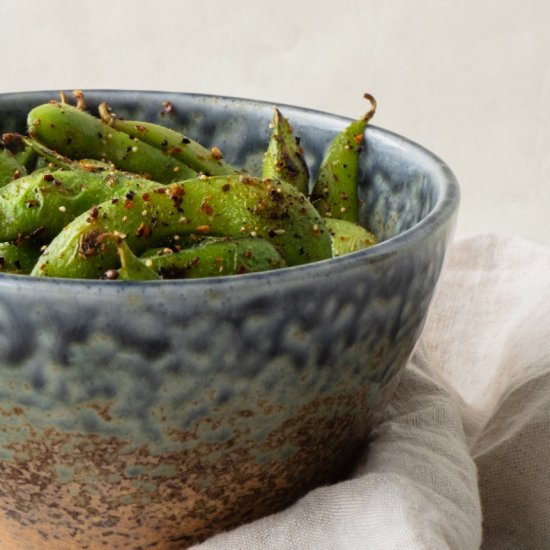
(461, 457)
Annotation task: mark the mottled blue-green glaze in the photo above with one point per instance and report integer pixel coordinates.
(164, 411)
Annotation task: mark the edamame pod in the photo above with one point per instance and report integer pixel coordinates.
(335, 191)
(18, 257)
(10, 168)
(348, 237)
(46, 200)
(234, 206)
(215, 257)
(284, 159)
(172, 143)
(79, 135)
(24, 155)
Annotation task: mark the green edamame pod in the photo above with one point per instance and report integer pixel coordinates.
(53, 158)
(348, 237)
(46, 200)
(284, 159)
(79, 135)
(27, 158)
(215, 257)
(173, 144)
(10, 168)
(335, 191)
(234, 206)
(18, 257)
(24, 155)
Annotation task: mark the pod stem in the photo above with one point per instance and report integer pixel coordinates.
(106, 113)
(367, 116)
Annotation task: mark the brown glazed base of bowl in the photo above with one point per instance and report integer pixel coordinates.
(38, 512)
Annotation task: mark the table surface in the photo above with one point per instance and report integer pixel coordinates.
(468, 80)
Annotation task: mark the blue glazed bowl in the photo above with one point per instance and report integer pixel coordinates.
(155, 414)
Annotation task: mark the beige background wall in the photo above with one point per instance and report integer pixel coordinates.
(469, 80)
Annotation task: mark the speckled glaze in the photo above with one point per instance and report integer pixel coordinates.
(153, 415)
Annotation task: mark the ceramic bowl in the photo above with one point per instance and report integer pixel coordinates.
(155, 414)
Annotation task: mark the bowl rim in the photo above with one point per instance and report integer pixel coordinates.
(444, 209)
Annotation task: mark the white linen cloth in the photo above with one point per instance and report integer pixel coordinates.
(462, 457)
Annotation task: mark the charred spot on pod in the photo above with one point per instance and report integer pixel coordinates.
(93, 214)
(276, 195)
(90, 243)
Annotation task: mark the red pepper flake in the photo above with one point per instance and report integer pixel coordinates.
(242, 269)
(146, 197)
(358, 138)
(206, 208)
(174, 150)
(128, 204)
(203, 229)
(141, 128)
(176, 194)
(216, 153)
(93, 214)
(143, 231)
(167, 107)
